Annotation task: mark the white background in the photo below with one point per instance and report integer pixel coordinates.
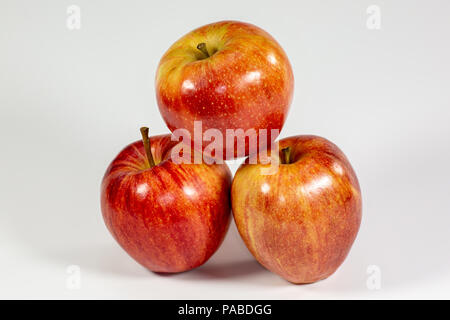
(70, 100)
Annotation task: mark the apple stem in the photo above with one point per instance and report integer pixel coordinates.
(202, 48)
(148, 150)
(286, 159)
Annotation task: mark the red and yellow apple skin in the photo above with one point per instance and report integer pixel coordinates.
(301, 221)
(245, 83)
(171, 217)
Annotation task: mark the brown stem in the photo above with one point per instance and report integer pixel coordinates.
(286, 159)
(202, 48)
(148, 150)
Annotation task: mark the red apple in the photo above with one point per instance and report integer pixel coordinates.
(228, 75)
(169, 217)
(301, 221)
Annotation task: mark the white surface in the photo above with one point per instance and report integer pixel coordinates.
(70, 100)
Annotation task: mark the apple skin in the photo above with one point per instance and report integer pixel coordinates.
(300, 222)
(246, 83)
(171, 217)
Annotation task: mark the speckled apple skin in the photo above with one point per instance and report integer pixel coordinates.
(170, 218)
(299, 223)
(246, 84)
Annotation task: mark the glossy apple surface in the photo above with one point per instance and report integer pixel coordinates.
(300, 222)
(240, 79)
(170, 217)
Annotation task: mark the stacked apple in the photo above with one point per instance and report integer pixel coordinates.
(298, 221)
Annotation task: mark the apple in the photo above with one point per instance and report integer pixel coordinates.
(300, 221)
(226, 75)
(169, 217)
